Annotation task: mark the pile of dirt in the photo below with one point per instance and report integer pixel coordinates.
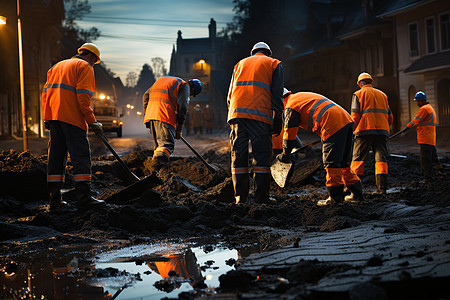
(191, 201)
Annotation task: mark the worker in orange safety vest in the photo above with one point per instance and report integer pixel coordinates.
(165, 106)
(66, 100)
(255, 108)
(373, 117)
(425, 120)
(334, 125)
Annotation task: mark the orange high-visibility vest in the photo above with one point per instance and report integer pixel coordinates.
(371, 112)
(67, 93)
(249, 96)
(163, 99)
(425, 120)
(317, 114)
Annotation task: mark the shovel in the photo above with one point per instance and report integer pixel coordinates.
(280, 170)
(138, 185)
(398, 133)
(211, 168)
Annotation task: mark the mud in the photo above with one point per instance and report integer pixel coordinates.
(192, 202)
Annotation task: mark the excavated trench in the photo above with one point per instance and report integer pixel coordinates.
(187, 203)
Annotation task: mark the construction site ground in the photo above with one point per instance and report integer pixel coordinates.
(394, 246)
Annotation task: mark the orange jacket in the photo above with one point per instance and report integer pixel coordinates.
(371, 112)
(425, 120)
(277, 141)
(315, 113)
(249, 96)
(161, 100)
(67, 93)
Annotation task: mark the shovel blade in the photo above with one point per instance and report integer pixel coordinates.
(135, 190)
(280, 171)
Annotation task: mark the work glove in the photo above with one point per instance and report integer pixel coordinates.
(284, 157)
(96, 127)
(405, 130)
(147, 124)
(178, 131)
(47, 125)
(277, 125)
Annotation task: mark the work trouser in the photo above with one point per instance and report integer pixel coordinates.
(428, 159)
(164, 138)
(259, 134)
(65, 138)
(337, 153)
(362, 146)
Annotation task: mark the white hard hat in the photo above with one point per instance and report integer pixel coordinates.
(286, 92)
(261, 45)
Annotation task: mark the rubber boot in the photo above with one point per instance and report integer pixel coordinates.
(83, 197)
(357, 192)
(440, 170)
(262, 186)
(336, 195)
(241, 185)
(381, 181)
(54, 195)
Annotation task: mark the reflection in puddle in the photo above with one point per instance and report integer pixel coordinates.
(149, 271)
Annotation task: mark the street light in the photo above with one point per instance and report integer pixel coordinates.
(22, 82)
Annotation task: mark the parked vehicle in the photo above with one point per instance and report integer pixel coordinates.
(108, 113)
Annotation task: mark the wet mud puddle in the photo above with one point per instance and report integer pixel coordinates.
(136, 272)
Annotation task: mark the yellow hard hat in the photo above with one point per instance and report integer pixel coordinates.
(363, 76)
(92, 48)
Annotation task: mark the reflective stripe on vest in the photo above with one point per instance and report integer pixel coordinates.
(253, 112)
(67, 88)
(322, 111)
(255, 83)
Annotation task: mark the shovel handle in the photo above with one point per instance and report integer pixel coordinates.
(398, 133)
(306, 147)
(198, 155)
(130, 174)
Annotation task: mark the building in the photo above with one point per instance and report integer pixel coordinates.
(422, 29)
(202, 58)
(403, 44)
(41, 33)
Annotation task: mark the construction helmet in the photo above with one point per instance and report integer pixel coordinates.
(286, 92)
(420, 96)
(91, 48)
(197, 85)
(261, 45)
(363, 76)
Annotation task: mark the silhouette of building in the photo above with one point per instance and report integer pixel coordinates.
(202, 58)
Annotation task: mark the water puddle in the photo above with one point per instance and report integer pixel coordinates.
(136, 272)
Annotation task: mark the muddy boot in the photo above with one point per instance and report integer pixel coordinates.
(262, 185)
(83, 197)
(241, 184)
(441, 172)
(336, 195)
(381, 181)
(357, 193)
(54, 194)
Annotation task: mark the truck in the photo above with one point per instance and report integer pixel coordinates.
(108, 113)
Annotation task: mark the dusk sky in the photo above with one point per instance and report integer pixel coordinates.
(134, 31)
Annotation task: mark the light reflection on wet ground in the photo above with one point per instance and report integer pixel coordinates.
(142, 271)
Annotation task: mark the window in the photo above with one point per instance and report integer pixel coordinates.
(413, 40)
(445, 31)
(431, 38)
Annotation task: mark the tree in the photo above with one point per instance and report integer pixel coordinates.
(159, 67)
(75, 10)
(131, 80)
(146, 79)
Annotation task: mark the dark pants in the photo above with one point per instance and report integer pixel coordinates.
(336, 155)
(428, 159)
(164, 138)
(259, 134)
(65, 138)
(379, 146)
